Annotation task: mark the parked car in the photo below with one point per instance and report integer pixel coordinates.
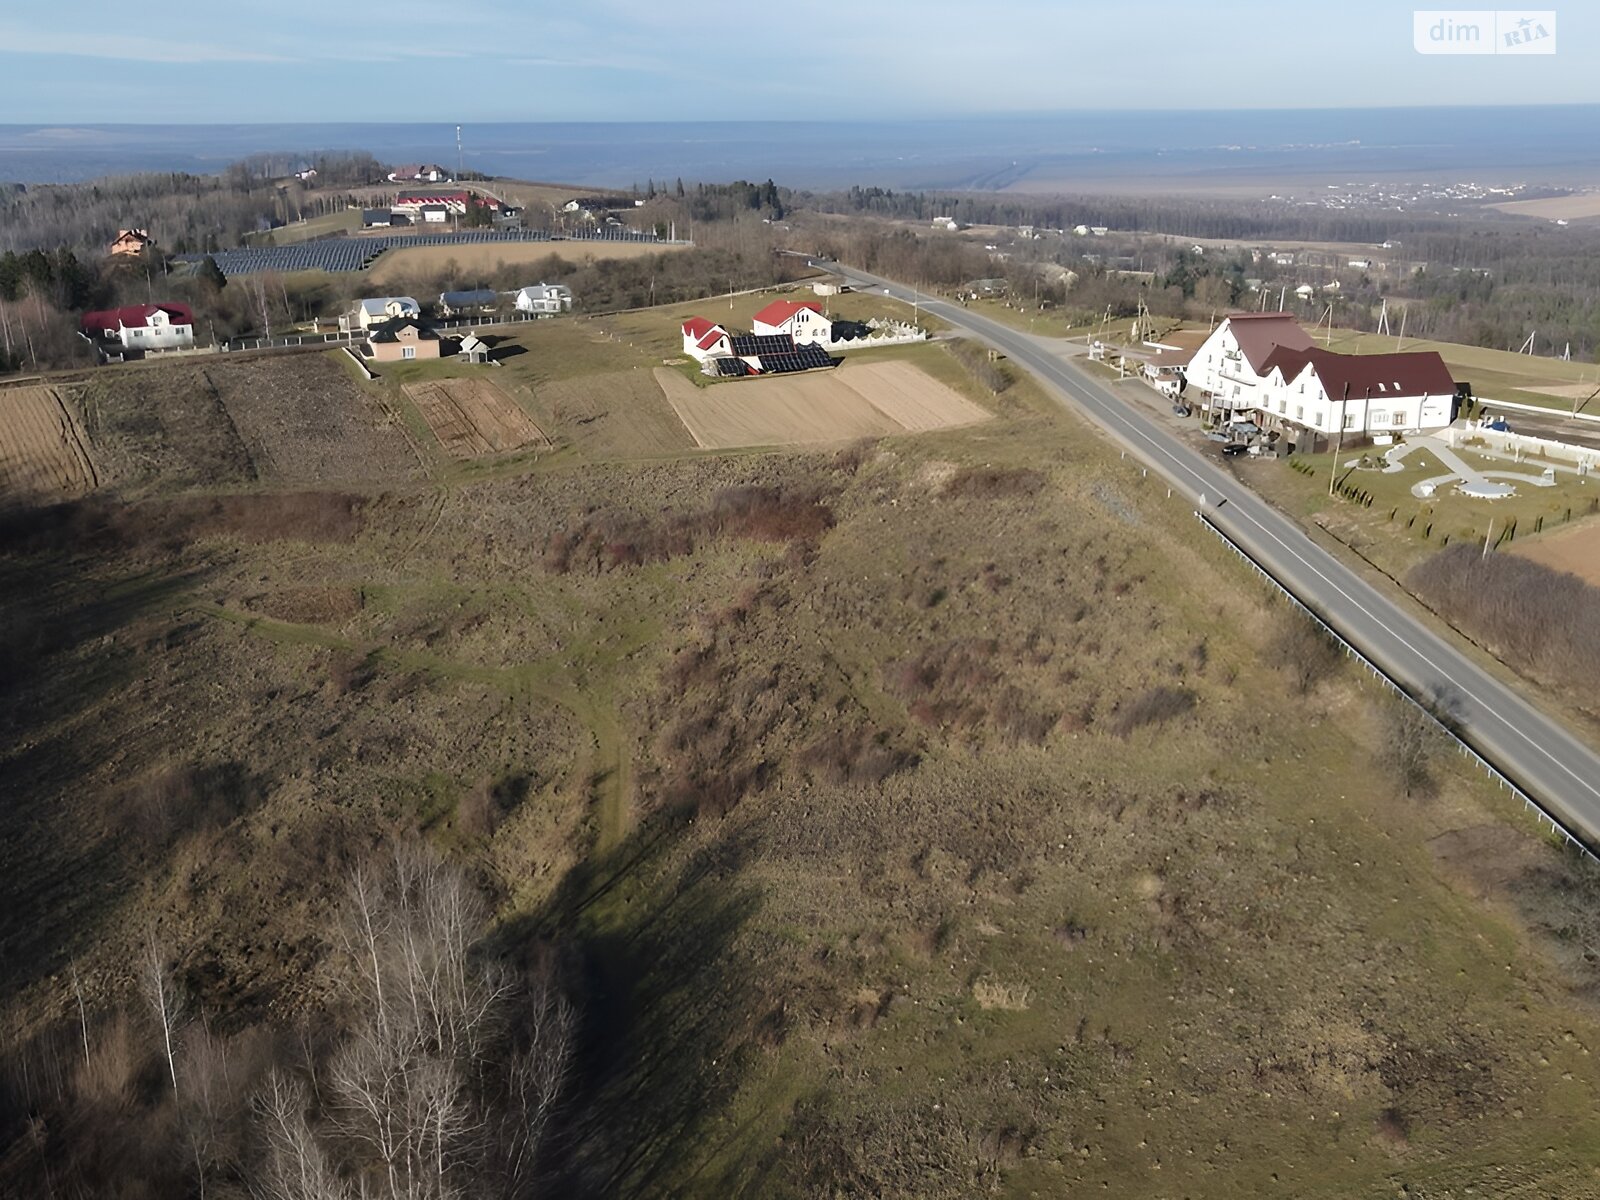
(1180, 410)
(1233, 448)
(1214, 436)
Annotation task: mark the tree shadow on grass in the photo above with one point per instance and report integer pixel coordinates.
(666, 1011)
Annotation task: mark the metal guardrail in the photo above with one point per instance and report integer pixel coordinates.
(1394, 685)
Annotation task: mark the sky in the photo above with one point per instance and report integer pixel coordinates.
(632, 60)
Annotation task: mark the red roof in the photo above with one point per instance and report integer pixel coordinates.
(697, 327)
(712, 337)
(779, 311)
(1374, 376)
(135, 316)
(462, 197)
(1258, 334)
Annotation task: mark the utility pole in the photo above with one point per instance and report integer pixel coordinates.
(1344, 403)
(1486, 537)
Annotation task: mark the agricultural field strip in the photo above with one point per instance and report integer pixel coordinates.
(42, 448)
(1576, 550)
(1524, 743)
(858, 400)
(471, 417)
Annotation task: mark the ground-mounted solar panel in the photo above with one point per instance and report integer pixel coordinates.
(749, 343)
(732, 367)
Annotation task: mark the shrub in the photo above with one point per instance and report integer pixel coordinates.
(1536, 618)
(993, 483)
(1153, 707)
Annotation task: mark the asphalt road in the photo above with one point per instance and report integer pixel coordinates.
(1527, 746)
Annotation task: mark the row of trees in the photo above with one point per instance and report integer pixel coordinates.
(432, 1069)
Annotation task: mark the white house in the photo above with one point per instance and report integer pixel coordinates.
(544, 298)
(142, 326)
(419, 173)
(800, 319)
(1231, 364)
(379, 309)
(704, 340)
(1360, 394)
(434, 214)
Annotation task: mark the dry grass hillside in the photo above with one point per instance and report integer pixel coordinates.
(937, 816)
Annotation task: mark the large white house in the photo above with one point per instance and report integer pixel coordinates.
(544, 298)
(142, 326)
(1359, 394)
(378, 309)
(1231, 365)
(800, 319)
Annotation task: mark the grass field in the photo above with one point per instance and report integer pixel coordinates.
(934, 817)
(344, 221)
(43, 450)
(1418, 527)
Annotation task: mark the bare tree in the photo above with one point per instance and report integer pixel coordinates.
(1409, 736)
(161, 993)
(294, 1166)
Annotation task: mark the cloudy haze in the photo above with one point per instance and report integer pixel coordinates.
(627, 60)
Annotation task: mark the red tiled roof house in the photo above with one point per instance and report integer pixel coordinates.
(141, 326)
(703, 340)
(802, 320)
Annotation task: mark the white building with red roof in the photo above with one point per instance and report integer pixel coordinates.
(1358, 394)
(703, 339)
(1231, 364)
(141, 326)
(455, 202)
(801, 320)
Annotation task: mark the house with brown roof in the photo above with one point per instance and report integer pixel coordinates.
(130, 243)
(1231, 364)
(401, 339)
(1264, 367)
(1358, 395)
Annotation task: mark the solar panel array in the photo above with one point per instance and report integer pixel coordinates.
(356, 254)
(732, 367)
(744, 344)
(801, 358)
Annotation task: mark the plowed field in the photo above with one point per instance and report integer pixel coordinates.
(472, 417)
(43, 451)
(855, 401)
(1576, 550)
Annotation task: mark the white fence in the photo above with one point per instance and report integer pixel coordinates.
(1531, 449)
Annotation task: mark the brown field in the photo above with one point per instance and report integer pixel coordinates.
(409, 262)
(1576, 549)
(471, 417)
(294, 419)
(1569, 208)
(43, 451)
(855, 401)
